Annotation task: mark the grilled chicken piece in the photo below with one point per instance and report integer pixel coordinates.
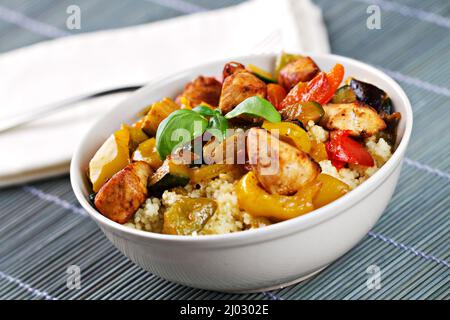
(229, 151)
(360, 120)
(120, 197)
(279, 167)
(202, 89)
(300, 70)
(238, 87)
(232, 67)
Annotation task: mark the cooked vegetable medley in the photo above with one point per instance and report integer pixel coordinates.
(245, 151)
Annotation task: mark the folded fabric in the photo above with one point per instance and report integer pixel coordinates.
(55, 70)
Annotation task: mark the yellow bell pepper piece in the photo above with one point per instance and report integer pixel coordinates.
(113, 156)
(138, 124)
(330, 190)
(158, 112)
(185, 103)
(291, 133)
(257, 202)
(318, 151)
(146, 151)
(136, 136)
(209, 172)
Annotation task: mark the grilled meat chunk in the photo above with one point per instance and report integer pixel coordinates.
(232, 67)
(300, 70)
(229, 151)
(238, 87)
(202, 89)
(279, 167)
(120, 197)
(360, 120)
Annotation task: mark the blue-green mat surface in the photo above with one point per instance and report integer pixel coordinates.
(43, 229)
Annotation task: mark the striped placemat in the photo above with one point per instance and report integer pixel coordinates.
(43, 230)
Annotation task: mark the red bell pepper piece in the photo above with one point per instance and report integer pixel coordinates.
(335, 77)
(294, 96)
(320, 89)
(343, 149)
(275, 95)
(337, 164)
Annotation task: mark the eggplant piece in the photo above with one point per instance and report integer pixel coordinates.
(371, 95)
(386, 107)
(92, 198)
(390, 133)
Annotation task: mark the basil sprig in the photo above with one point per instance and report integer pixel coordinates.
(218, 124)
(169, 135)
(206, 111)
(194, 122)
(257, 107)
(202, 118)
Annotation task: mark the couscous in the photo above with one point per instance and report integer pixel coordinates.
(251, 149)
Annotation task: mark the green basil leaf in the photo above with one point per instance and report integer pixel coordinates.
(205, 111)
(168, 134)
(255, 106)
(218, 122)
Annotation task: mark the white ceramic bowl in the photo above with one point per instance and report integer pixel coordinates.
(254, 260)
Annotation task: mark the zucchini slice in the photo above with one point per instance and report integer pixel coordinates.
(304, 112)
(261, 74)
(168, 176)
(188, 215)
(344, 94)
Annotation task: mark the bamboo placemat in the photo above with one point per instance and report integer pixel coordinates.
(43, 230)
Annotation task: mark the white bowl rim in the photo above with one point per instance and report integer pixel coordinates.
(279, 229)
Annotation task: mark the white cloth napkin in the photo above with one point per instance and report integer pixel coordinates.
(55, 70)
